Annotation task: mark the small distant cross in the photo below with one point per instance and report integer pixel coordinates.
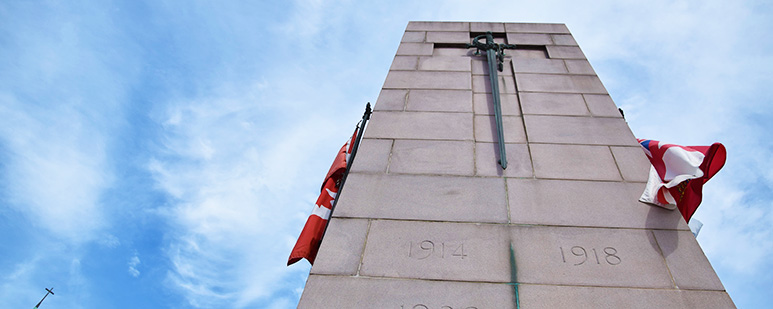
(48, 291)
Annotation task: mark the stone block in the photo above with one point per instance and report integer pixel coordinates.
(337, 292)
(578, 297)
(439, 63)
(480, 67)
(529, 53)
(414, 36)
(565, 52)
(560, 83)
(341, 250)
(420, 125)
(440, 100)
(542, 103)
(579, 67)
(539, 65)
(518, 160)
(633, 163)
(484, 104)
(420, 49)
(391, 100)
(437, 26)
(432, 157)
(486, 129)
(602, 105)
(529, 39)
(428, 80)
(563, 39)
(482, 83)
(685, 259)
(579, 130)
(448, 37)
(453, 52)
(579, 162)
(588, 257)
(372, 156)
(437, 250)
(418, 197)
(536, 28)
(586, 203)
(402, 63)
(483, 27)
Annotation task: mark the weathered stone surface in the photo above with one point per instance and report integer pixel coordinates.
(553, 104)
(415, 49)
(486, 129)
(588, 256)
(536, 28)
(579, 130)
(408, 63)
(483, 27)
(448, 37)
(440, 100)
(414, 36)
(688, 264)
(537, 65)
(518, 160)
(602, 105)
(482, 83)
(633, 163)
(342, 247)
(586, 203)
(391, 100)
(484, 104)
(565, 52)
(428, 80)
(529, 39)
(559, 83)
(480, 66)
(579, 67)
(551, 296)
(437, 250)
(563, 39)
(580, 162)
(358, 292)
(416, 197)
(438, 63)
(432, 157)
(372, 156)
(437, 26)
(420, 125)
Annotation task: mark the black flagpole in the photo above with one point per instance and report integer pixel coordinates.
(356, 145)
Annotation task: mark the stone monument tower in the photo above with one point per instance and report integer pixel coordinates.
(428, 218)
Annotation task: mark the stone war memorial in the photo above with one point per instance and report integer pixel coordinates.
(429, 219)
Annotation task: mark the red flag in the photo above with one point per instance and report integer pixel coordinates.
(678, 173)
(311, 236)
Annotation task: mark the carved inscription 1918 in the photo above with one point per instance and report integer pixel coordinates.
(578, 255)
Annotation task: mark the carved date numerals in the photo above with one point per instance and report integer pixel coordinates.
(580, 255)
(427, 248)
(421, 306)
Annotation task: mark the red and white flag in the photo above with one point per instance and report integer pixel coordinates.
(677, 174)
(311, 236)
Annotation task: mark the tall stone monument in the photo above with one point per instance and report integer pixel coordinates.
(428, 219)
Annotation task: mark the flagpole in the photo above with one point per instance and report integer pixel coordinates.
(356, 145)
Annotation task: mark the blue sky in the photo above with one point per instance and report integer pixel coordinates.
(165, 154)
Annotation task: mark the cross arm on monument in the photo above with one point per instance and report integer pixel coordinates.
(495, 54)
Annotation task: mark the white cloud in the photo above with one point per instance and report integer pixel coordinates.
(133, 263)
